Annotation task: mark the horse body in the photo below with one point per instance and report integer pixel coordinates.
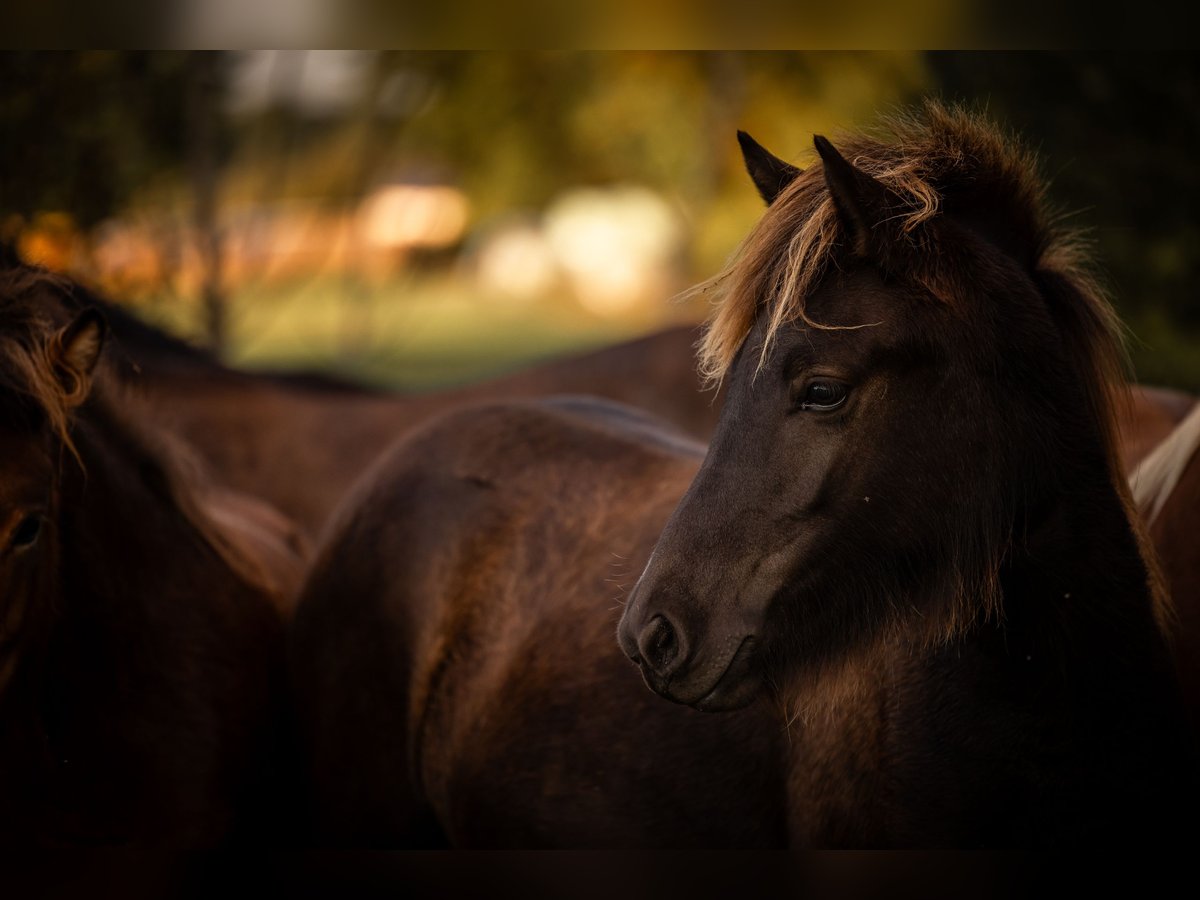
(142, 703)
(466, 636)
(154, 700)
(499, 750)
(920, 440)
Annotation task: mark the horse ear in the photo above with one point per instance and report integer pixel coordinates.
(77, 351)
(769, 173)
(862, 202)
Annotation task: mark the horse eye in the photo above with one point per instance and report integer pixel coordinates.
(823, 395)
(26, 534)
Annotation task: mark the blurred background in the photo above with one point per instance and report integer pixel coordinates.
(416, 219)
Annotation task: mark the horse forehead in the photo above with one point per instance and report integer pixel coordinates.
(25, 467)
(21, 415)
(849, 313)
(858, 296)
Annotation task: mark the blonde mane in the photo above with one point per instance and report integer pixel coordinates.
(30, 326)
(922, 158)
(930, 159)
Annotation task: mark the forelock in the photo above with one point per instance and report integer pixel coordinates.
(938, 159)
(32, 313)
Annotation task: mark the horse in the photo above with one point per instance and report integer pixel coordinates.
(902, 601)
(142, 608)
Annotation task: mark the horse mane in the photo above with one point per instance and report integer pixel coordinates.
(937, 160)
(30, 323)
(178, 476)
(137, 347)
(34, 307)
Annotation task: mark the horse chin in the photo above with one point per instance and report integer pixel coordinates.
(736, 687)
(727, 697)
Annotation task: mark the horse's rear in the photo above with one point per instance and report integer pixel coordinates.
(461, 607)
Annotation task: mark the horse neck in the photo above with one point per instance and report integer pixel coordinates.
(1077, 675)
(1075, 581)
(121, 544)
(1071, 687)
(124, 533)
(157, 659)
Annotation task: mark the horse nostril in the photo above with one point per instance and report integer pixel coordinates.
(658, 644)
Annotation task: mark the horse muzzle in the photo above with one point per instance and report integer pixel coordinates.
(720, 674)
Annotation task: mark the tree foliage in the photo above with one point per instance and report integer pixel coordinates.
(84, 130)
(1120, 134)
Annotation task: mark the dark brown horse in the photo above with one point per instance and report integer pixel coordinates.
(905, 571)
(140, 609)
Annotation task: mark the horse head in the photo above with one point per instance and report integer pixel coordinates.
(911, 348)
(47, 364)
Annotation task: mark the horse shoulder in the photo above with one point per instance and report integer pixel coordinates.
(438, 578)
(368, 626)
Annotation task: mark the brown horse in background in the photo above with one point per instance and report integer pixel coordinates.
(141, 609)
(905, 571)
